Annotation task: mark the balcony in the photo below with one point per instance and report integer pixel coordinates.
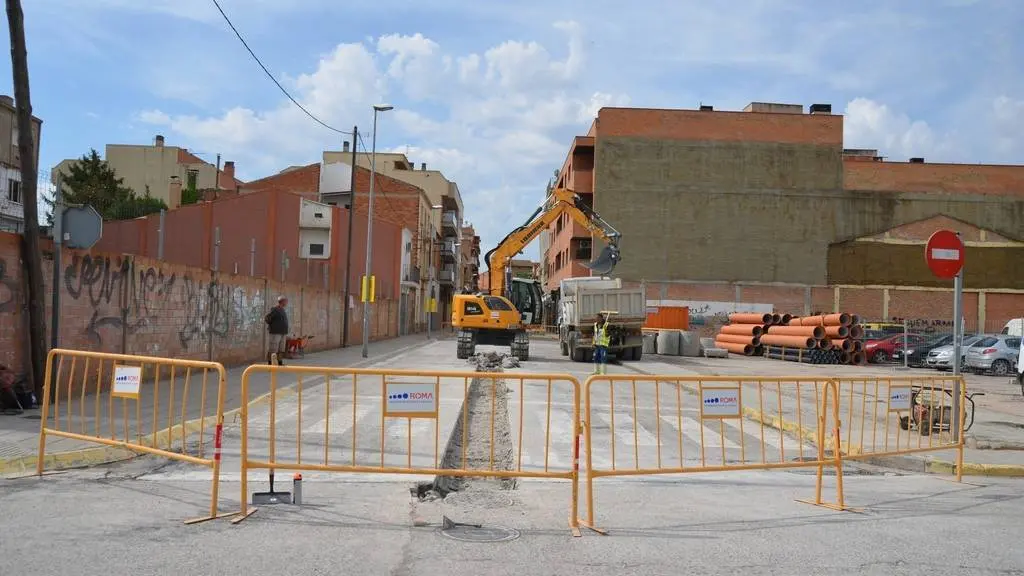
(450, 223)
(447, 276)
(447, 250)
(412, 275)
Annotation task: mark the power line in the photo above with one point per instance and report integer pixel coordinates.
(271, 76)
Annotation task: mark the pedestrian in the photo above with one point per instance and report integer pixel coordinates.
(601, 342)
(277, 327)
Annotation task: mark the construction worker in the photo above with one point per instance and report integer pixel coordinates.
(601, 342)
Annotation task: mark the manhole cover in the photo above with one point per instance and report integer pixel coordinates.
(484, 534)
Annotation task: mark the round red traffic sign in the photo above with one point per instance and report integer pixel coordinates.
(944, 254)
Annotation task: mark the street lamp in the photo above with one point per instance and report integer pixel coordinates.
(430, 264)
(369, 231)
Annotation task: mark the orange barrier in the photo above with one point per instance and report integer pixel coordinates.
(370, 421)
(892, 416)
(93, 385)
(669, 412)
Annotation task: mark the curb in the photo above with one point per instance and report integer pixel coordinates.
(908, 463)
(98, 455)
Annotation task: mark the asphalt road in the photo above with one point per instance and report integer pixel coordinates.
(126, 518)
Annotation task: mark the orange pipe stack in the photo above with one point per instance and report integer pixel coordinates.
(748, 334)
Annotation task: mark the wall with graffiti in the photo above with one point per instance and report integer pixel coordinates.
(135, 305)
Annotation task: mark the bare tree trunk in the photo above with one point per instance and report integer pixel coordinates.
(29, 160)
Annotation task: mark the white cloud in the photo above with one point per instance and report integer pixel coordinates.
(497, 123)
(870, 124)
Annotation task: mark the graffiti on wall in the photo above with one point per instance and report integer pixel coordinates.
(713, 312)
(8, 289)
(128, 299)
(925, 324)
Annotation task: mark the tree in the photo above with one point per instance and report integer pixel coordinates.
(190, 195)
(29, 158)
(91, 181)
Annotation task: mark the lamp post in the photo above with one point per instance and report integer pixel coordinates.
(432, 273)
(369, 232)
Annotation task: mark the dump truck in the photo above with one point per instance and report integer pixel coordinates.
(582, 299)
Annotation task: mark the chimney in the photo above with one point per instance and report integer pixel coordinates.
(344, 146)
(174, 192)
(7, 100)
(423, 166)
(706, 108)
(158, 141)
(227, 174)
(917, 161)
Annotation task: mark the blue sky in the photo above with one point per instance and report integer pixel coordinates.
(491, 93)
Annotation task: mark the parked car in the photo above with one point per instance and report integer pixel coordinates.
(941, 358)
(996, 354)
(881, 351)
(917, 355)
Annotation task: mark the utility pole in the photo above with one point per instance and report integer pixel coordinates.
(348, 248)
(29, 174)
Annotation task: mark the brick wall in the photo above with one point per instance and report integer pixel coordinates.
(933, 178)
(137, 305)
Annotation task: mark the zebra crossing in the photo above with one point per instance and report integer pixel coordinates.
(345, 426)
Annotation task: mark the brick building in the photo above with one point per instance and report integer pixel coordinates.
(765, 207)
(470, 258)
(397, 203)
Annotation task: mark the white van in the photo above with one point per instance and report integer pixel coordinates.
(1014, 327)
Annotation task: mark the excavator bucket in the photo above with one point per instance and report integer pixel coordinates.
(605, 261)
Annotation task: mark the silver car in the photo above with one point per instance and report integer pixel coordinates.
(941, 358)
(996, 354)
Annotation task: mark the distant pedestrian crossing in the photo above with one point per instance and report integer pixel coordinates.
(346, 427)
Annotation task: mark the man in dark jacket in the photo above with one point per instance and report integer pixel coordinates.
(277, 326)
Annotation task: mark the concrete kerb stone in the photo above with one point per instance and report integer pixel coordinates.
(103, 454)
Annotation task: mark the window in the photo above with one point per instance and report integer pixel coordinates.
(495, 303)
(472, 309)
(316, 249)
(14, 191)
(1013, 343)
(985, 342)
(583, 249)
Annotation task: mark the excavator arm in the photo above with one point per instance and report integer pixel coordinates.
(560, 201)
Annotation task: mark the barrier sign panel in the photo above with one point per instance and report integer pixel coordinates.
(127, 382)
(721, 402)
(899, 398)
(410, 399)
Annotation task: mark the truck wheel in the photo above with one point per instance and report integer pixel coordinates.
(577, 353)
(466, 347)
(564, 348)
(638, 352)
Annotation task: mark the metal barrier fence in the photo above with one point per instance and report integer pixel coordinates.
(673, 421)
(370, 421)
(891, 416)
(118, 400)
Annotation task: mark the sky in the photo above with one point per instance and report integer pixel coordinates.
(492, 93)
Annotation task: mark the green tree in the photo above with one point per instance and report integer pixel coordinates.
(190, 195)
(91, 181)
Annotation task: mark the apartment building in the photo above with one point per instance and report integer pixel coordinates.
(12, 209)
(470, 250)
(164, 172)
(445, 213)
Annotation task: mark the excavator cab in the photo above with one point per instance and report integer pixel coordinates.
(605, 261)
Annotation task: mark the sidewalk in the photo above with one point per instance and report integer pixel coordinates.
(19, 434)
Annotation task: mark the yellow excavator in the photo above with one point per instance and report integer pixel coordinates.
(497, 318)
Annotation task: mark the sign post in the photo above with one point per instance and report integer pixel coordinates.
(944, 255)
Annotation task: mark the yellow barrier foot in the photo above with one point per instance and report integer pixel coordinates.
(574, 527)
(208, 518)
(243, 516)
(831, 506)
(590, 526)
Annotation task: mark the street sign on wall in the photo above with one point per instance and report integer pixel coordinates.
(944, 254)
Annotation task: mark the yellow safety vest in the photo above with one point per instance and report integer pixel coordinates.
(601, 337)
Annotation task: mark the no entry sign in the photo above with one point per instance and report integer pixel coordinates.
(944, 254)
